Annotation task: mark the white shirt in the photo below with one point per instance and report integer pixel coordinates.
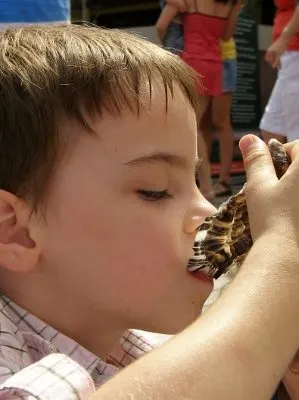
(38, 362)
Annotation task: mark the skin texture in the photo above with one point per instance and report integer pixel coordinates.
(109, 256)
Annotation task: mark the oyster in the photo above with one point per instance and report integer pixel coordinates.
(224, 239)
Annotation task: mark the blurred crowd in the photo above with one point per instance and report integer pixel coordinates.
(202, 33)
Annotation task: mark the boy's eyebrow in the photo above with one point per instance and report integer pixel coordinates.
(171, 159)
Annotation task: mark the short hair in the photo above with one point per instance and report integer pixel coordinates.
(50, 72)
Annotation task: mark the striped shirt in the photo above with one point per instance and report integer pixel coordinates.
(39, 363)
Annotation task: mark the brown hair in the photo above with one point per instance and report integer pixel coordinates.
(52, 71)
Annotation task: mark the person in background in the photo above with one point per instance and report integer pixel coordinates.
(204, 24)
(218, 117)
(174, 37)
(281, 117)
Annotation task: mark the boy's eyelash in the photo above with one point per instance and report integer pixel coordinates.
(155, 195)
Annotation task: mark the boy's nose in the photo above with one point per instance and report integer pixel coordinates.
(202, 209)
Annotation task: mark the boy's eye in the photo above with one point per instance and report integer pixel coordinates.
(153, 195)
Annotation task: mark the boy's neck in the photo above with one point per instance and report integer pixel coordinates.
(92, 330)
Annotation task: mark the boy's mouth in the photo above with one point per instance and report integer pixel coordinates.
(203, 276)
(224, 239)
(206, 269)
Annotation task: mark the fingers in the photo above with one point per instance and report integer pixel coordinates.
(257, 161)
(292, 149)
(276, 62)
(273, 59)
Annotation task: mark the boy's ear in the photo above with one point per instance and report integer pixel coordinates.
(18, 250)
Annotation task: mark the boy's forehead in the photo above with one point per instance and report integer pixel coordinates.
(118, 141)
(156, 107)
(160, 95)
(161, 116)
(155, 100)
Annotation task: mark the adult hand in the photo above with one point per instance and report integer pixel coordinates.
(275, 51)
(272, 203)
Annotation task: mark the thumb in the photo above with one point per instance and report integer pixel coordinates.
(257, 161)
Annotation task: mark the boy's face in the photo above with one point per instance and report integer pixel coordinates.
(122, 218)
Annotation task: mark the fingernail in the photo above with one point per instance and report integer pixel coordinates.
(249, 141)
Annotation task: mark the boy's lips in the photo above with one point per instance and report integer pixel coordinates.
(202, 276)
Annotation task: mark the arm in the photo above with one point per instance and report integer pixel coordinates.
(222, 343)
(275, 51)
(167, 15)
(179, 4)
(232, 21)
(240, 348)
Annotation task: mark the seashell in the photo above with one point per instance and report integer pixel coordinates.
(224, 239)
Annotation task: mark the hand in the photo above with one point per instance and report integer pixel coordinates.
(272, 203)
(275, 51)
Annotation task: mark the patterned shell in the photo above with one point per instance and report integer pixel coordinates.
(224, 239)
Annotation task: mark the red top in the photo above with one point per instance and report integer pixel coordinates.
(285, 11)
(202, 34)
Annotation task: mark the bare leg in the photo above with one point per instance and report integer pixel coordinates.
(269, 135)
(207, 129)
(204, 173)
(221, 112)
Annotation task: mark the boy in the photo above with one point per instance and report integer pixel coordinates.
(99, 210)
(58, 83)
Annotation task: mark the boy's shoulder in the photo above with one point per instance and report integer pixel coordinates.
(16, 349)
(30, 350)
(29, 362)
(25, 339)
